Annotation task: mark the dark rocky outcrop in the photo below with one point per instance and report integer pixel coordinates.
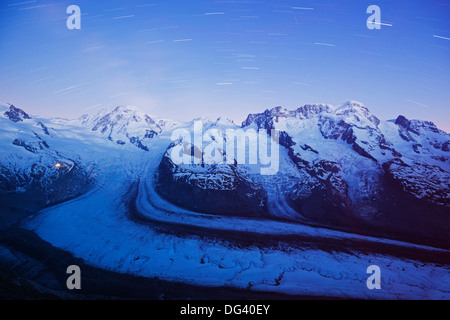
(222, 189)
(16, 115)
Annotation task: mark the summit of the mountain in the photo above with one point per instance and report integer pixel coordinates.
(267, 119)
(358, 113)
(15, 114)
(124, 124)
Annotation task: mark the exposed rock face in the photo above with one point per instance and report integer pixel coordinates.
(25, 192)
(423, 181)
(267, 119)
(219, 189)
(16, 115)
(32, 147)
(33, 174)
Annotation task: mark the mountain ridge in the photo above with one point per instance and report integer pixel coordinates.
(337, 163)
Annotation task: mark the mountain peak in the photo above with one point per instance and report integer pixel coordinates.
(126, 109)
(114, 114)
(277, 114)
(116, 110)
(416, 126)
(357, 111)
(352, 106)
(16, 115)
(310, 110)
(224, 122)
(275, 111)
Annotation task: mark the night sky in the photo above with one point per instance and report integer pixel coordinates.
(186, 59)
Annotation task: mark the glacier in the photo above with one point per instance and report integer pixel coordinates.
(112, 215)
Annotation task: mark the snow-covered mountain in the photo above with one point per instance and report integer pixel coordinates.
(35, 166)
(339, 165)
(351, 191)
(126, 125)
(354, 168)
(52, 160)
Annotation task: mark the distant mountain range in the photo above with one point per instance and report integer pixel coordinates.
(340, 167)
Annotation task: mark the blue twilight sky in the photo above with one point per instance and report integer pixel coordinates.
(184, 59)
